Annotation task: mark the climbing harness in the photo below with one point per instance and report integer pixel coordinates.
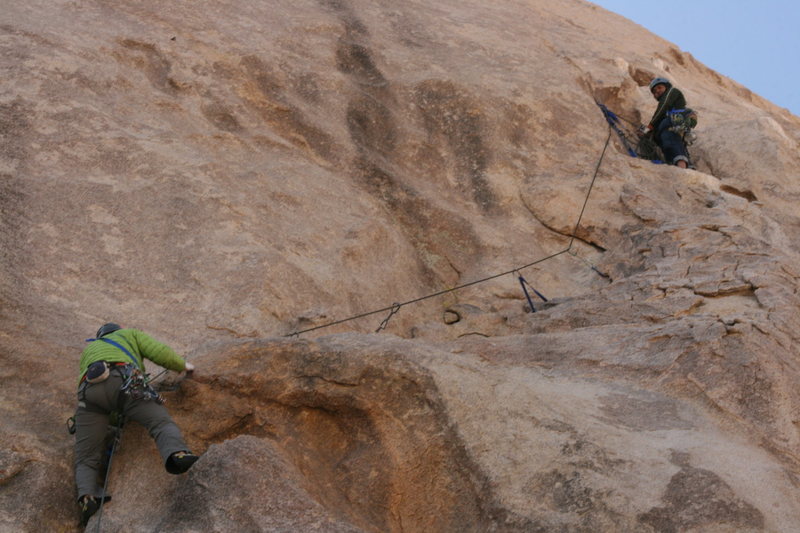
(682, 122)
(137, 386)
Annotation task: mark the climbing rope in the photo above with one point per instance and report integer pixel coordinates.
(426, 297)
(614, 123)
(115, 442)
(395, 307)
(591, 186)
(590, 265)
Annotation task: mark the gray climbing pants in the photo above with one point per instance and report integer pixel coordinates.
(95, 402)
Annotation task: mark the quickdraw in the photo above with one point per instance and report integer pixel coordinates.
(682, 121)
(395, 308)
(137, 387)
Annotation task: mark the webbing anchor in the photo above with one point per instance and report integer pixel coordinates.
(523, 283)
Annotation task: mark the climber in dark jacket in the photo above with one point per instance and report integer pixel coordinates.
(112, 381)
(669, 99)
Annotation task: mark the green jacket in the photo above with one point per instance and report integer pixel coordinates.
(141, 346)
(671, 99)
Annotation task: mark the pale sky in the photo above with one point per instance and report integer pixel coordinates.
(756, 43)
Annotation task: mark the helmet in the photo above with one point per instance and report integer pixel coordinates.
(105, 329)
(659, 81)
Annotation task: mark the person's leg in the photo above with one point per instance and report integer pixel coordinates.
(90, 433)
(155, 418)
(95, 402)
(671, 144)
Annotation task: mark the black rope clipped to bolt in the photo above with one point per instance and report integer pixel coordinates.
(524, 283)
(395, 307)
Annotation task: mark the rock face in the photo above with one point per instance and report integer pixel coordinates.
(372, 433)
(225, 174)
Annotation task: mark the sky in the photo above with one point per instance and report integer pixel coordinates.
(756, 43)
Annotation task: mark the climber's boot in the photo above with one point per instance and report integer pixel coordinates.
(89, 505)
(180, 462)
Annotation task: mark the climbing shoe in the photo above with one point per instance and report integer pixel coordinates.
(89, 506)
(180, 462)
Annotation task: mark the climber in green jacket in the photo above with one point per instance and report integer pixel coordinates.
(112, 380)
(670, 99)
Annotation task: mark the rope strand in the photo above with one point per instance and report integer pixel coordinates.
(591, 186)
(392, 309)
(115, 442)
